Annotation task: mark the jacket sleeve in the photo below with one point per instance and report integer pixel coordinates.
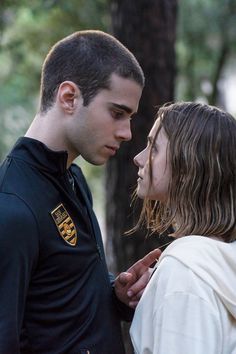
(18, 257)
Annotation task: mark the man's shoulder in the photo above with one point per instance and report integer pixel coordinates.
(17, 221)
(13, 207)
(13, 193)
(4, 169)
(10, 174)
(19, 178)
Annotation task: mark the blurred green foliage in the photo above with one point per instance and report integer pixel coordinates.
(205, 45)
(27, 30)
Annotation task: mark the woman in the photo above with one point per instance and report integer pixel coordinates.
(187, 178)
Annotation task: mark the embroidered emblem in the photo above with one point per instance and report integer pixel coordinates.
(65, 224)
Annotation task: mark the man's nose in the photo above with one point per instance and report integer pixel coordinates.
(123, 132)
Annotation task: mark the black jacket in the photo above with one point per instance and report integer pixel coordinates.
(56, 294)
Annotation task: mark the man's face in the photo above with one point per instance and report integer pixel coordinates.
(99, 128)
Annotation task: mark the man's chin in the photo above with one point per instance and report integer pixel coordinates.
(98, 162)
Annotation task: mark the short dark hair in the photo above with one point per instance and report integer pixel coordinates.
(88, 58)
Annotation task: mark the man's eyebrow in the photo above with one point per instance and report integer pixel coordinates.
(123, 108)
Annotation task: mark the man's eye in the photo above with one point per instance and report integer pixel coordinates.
(117, 114)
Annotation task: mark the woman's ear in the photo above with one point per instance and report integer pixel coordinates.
(67, 96)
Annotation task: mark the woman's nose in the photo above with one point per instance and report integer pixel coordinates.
(138, 159)
(135, 160)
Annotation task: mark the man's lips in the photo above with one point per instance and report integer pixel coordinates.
(112, 149)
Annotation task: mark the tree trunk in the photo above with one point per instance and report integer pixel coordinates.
(147, 28)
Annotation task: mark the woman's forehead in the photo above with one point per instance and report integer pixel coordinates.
(155, 126)
(158, 132)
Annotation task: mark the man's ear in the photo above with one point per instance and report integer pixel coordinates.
(68, 95)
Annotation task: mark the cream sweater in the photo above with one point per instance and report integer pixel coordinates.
(189, 305)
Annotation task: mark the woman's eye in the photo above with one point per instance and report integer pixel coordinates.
(154, 149)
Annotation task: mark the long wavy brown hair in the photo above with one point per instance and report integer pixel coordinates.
(202, 190)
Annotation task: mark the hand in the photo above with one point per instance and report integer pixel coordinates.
(129, 285)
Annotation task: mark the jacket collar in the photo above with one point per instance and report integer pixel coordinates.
(39, 155)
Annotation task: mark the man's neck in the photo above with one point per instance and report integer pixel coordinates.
(47, 128)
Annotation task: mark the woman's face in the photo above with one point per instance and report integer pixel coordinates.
(157, 189)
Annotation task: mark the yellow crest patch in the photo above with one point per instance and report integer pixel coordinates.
(65, 224)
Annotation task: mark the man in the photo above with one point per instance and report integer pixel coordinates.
(56, 294)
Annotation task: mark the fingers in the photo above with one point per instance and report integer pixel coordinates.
(151, 257)
(130, 285)
(138, 287)
(137, 297)
(146, 261)
(124, 278)
(133, 304)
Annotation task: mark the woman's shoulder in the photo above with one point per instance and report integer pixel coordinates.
(194, 248)
(200, 259)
